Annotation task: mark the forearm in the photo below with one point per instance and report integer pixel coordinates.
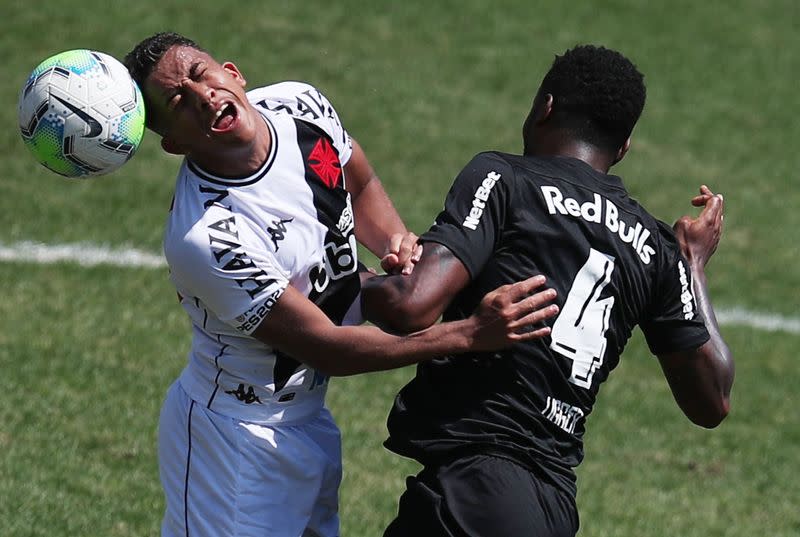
(720, 361)
(363, 349)
(297, 327)
(376, 217)
(388, 302)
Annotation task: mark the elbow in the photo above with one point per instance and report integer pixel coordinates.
(391, 305)
(712, 415)
(403, 317)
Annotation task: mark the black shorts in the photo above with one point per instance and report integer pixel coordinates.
(482, 496)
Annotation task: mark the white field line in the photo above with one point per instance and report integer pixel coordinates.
(90, 254)
(760, 320)
(81, 253)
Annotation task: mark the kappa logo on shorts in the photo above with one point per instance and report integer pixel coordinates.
(247, 397)
(325, 163)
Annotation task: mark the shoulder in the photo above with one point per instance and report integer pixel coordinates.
(488, 169)
(667, 240)
(304, 103)
(487, 161)
(191, 233)
(289, 89)
(295, 98)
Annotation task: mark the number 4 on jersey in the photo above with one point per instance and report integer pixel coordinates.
(579, 332)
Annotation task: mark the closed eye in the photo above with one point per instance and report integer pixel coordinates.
(197, 70)
(173, 101)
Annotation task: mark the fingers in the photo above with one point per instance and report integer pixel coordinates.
(529, 335)
(417, 255)
(525, 311)
(515, 292)
(712, 212)
(532, 311)
(534, 317)
(705, 195)
(718, 213)
(402, 253)
(389, 263)
(516, 312)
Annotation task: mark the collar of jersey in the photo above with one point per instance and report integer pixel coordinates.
(613, 181)
(249, 179)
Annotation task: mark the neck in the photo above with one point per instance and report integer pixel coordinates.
(554, 145)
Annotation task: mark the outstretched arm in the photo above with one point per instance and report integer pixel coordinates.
(378, 225)
(299, 328)
(701, 379)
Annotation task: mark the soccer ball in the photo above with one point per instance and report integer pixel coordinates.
(81, 114)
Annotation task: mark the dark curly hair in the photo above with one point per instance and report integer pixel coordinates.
(141, 61)
(598, 95)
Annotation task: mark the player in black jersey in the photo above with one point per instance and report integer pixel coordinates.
(499, 434)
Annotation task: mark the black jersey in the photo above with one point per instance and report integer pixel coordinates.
(613, 265)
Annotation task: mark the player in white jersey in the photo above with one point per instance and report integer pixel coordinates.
(261, 243)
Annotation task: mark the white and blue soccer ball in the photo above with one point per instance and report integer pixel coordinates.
(81, 114)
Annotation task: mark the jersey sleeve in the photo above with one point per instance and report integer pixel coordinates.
(474, 212)
(674, 323)
(307, 103)
(222, 263)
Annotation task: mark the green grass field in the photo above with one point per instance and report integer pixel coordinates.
(86, 353)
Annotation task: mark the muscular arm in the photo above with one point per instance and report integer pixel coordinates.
(701, 379)
(378, 225)
(414, 302)
(297, 327)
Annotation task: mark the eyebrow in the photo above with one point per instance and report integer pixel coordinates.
(192, 72)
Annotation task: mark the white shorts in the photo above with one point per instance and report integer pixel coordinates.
(224, 477)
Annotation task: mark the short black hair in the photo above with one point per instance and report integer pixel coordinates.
(141, 61)
(598, 95)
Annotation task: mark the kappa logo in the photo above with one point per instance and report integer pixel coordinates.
(94, 126)
(247, 397)
(325, 163)
(278, 233)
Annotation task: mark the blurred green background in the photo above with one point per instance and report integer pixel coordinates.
(87, 353)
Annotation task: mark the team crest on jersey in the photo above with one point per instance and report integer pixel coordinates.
(325, 163)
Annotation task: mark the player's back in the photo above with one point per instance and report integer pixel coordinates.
(613, 265)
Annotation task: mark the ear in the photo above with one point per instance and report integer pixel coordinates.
(171, 146)
(545, 109)
(622, 151)
(232, 70)
(541, 109)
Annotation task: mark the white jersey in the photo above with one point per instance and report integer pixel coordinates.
(234, 245)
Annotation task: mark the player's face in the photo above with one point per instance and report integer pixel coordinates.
(198, 104)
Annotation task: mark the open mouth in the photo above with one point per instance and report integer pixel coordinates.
(225, 118)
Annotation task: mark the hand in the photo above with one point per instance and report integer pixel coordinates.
(509, 314)
(402, 253)
(700, 236)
